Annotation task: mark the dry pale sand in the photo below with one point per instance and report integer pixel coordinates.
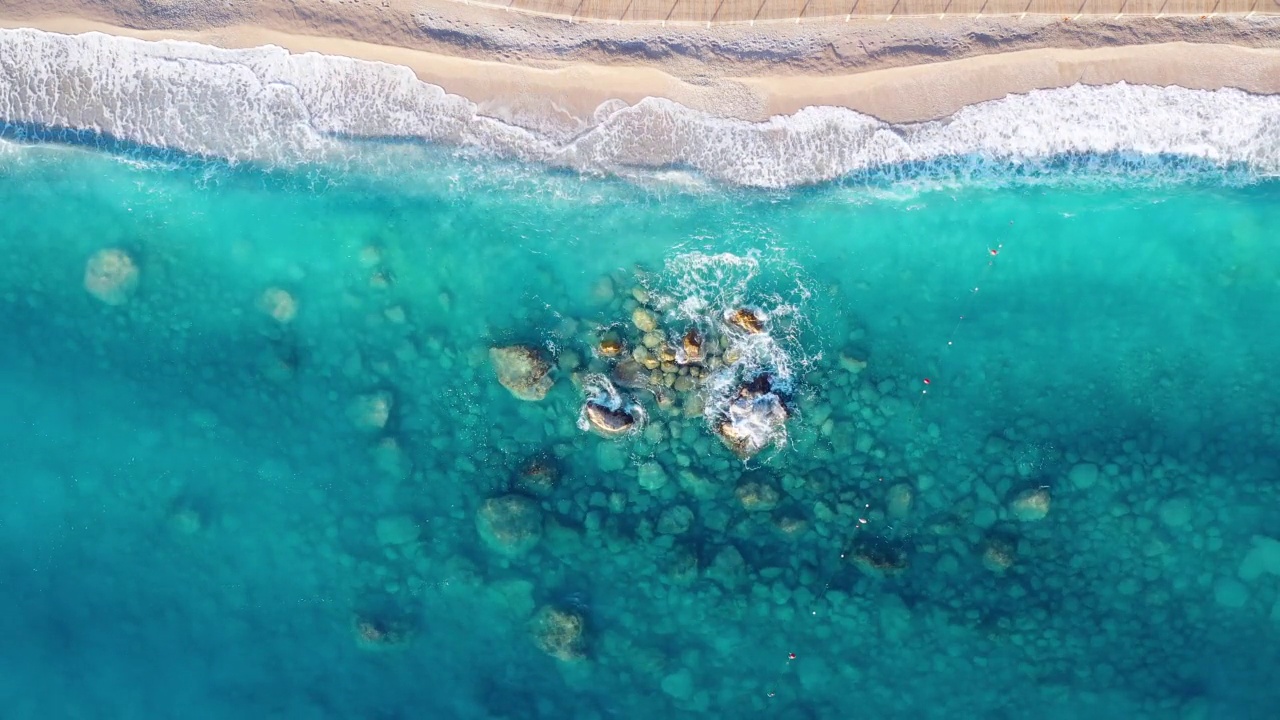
(517, 66)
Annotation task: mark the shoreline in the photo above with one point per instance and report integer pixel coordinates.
(532, 84)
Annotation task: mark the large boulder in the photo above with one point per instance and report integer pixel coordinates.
(510, 525)
(755, 419)
(522, 370)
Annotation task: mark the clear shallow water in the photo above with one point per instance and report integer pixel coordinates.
(190, 515)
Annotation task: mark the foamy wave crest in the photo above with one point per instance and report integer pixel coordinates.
(267, 105)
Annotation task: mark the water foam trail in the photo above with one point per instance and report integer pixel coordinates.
(266, 105)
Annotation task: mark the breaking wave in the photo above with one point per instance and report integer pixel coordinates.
(269, 106)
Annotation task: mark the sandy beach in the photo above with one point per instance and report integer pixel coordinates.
(528, 69)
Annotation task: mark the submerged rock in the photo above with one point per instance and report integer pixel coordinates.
(755, 419)
(111, 276)
(523, 371)
(560, 633)
(652, 477)
(539, 476)
(397, 530)
(757, 497)
(510, 525)
(1030, 505)
(998, 554)
(279, 304)
(877, 556)
(376, 634)
(370, 412)
(644, 320)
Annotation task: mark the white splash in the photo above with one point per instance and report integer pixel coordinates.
(265, 104)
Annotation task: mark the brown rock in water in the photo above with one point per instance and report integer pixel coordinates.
(523, 371)
(608, 421)
(747, 319)
(754, 420)
(609, 346)
(691, 343)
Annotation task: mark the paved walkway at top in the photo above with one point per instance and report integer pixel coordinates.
(748, 11)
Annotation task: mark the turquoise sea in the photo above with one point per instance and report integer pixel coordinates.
(1031, 464)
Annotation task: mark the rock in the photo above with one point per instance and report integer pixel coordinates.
(602, 291)
(539, 476)
(560, 633)
(680, 566)
(757, 497)
(608, 421)
(610, 345)
(278, 304)
(1229, 592)
(370, 412)
(675, 520)
(644, 320)
(391, 459)
(1083, 475)
(111, 276)
(748, 320)
(610, 457)
(1175, 512)
(510, 525)
(984, 517)
(998, 555)
(1262, 558)
(790, 525)
(753, 420)
(690, 350)
(523, 371)
(898, 503)
(1030, 505)
(679, 684)
(185, 520)
(877, 556)
(397, 530)
(375, 634)
(652, 477)
(728, 568)
(698, 485)
(606, 411)
(852, 364)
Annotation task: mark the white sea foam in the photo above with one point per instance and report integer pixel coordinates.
(267, 105)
